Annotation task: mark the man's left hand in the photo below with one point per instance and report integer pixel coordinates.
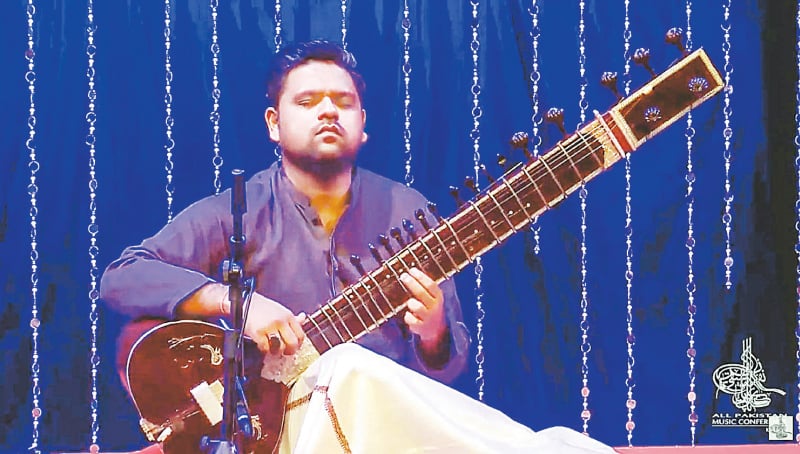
(425, 316)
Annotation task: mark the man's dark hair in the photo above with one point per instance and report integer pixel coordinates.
(295, 55)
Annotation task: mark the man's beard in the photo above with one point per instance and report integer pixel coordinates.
(323, 167)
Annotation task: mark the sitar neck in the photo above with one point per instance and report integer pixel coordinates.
(510, 203)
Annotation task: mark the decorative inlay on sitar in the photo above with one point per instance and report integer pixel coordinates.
(176, 386)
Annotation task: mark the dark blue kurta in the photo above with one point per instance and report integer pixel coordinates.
(292, 258)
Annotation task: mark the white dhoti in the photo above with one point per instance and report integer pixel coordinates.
(352, 400)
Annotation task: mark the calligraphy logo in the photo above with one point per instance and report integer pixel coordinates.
(744, 382)
(780, 427)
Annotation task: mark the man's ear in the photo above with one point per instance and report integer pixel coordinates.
(271, 118)
(364, 135)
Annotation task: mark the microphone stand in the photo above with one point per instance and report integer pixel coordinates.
(234, 404)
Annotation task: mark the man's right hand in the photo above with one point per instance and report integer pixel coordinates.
(273, 327)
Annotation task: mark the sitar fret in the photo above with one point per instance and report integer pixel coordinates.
(356, 311)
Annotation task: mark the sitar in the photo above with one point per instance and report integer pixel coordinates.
(174, 370)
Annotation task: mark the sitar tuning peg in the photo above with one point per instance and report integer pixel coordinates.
(641, 56)
(455, 193)
(420, 215)
(609, 80)
(520, 141)
(384, 241)
(674, 36)
(356, 262)
(375, 253)
(434, 210)
(408, 226)
(487, 174)
(469, 182)
(555, 115)
(398, 236)
(502, 161)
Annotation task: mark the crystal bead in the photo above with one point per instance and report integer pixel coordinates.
(691, 352)
(586, 415)
(631, 404)
(693, 418)
(630, 425)
(585, 391)
(36, 412)
(94, 448)
(691, 396)
(35, 322)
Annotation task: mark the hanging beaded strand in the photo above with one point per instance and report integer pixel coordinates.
(727, 134)
(797, 218)
(691, 287)
(278, 39)
(93, 228)
(475, 135)
(586, 346)
(406, 25)
(215, 96)
(630, 340)
(169, 121)
(344, 24)
(33, 189)
(536, 117)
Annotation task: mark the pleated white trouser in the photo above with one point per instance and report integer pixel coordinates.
(352, 400)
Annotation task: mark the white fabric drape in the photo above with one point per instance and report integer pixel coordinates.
(353, 400)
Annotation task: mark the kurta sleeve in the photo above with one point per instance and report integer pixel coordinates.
(152, 278)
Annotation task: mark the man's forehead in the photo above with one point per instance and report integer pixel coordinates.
(319, 76)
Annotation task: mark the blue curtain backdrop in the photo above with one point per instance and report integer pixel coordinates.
(531, 330)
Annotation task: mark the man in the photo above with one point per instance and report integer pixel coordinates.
(307, 216)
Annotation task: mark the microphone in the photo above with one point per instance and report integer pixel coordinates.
(238, 198)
